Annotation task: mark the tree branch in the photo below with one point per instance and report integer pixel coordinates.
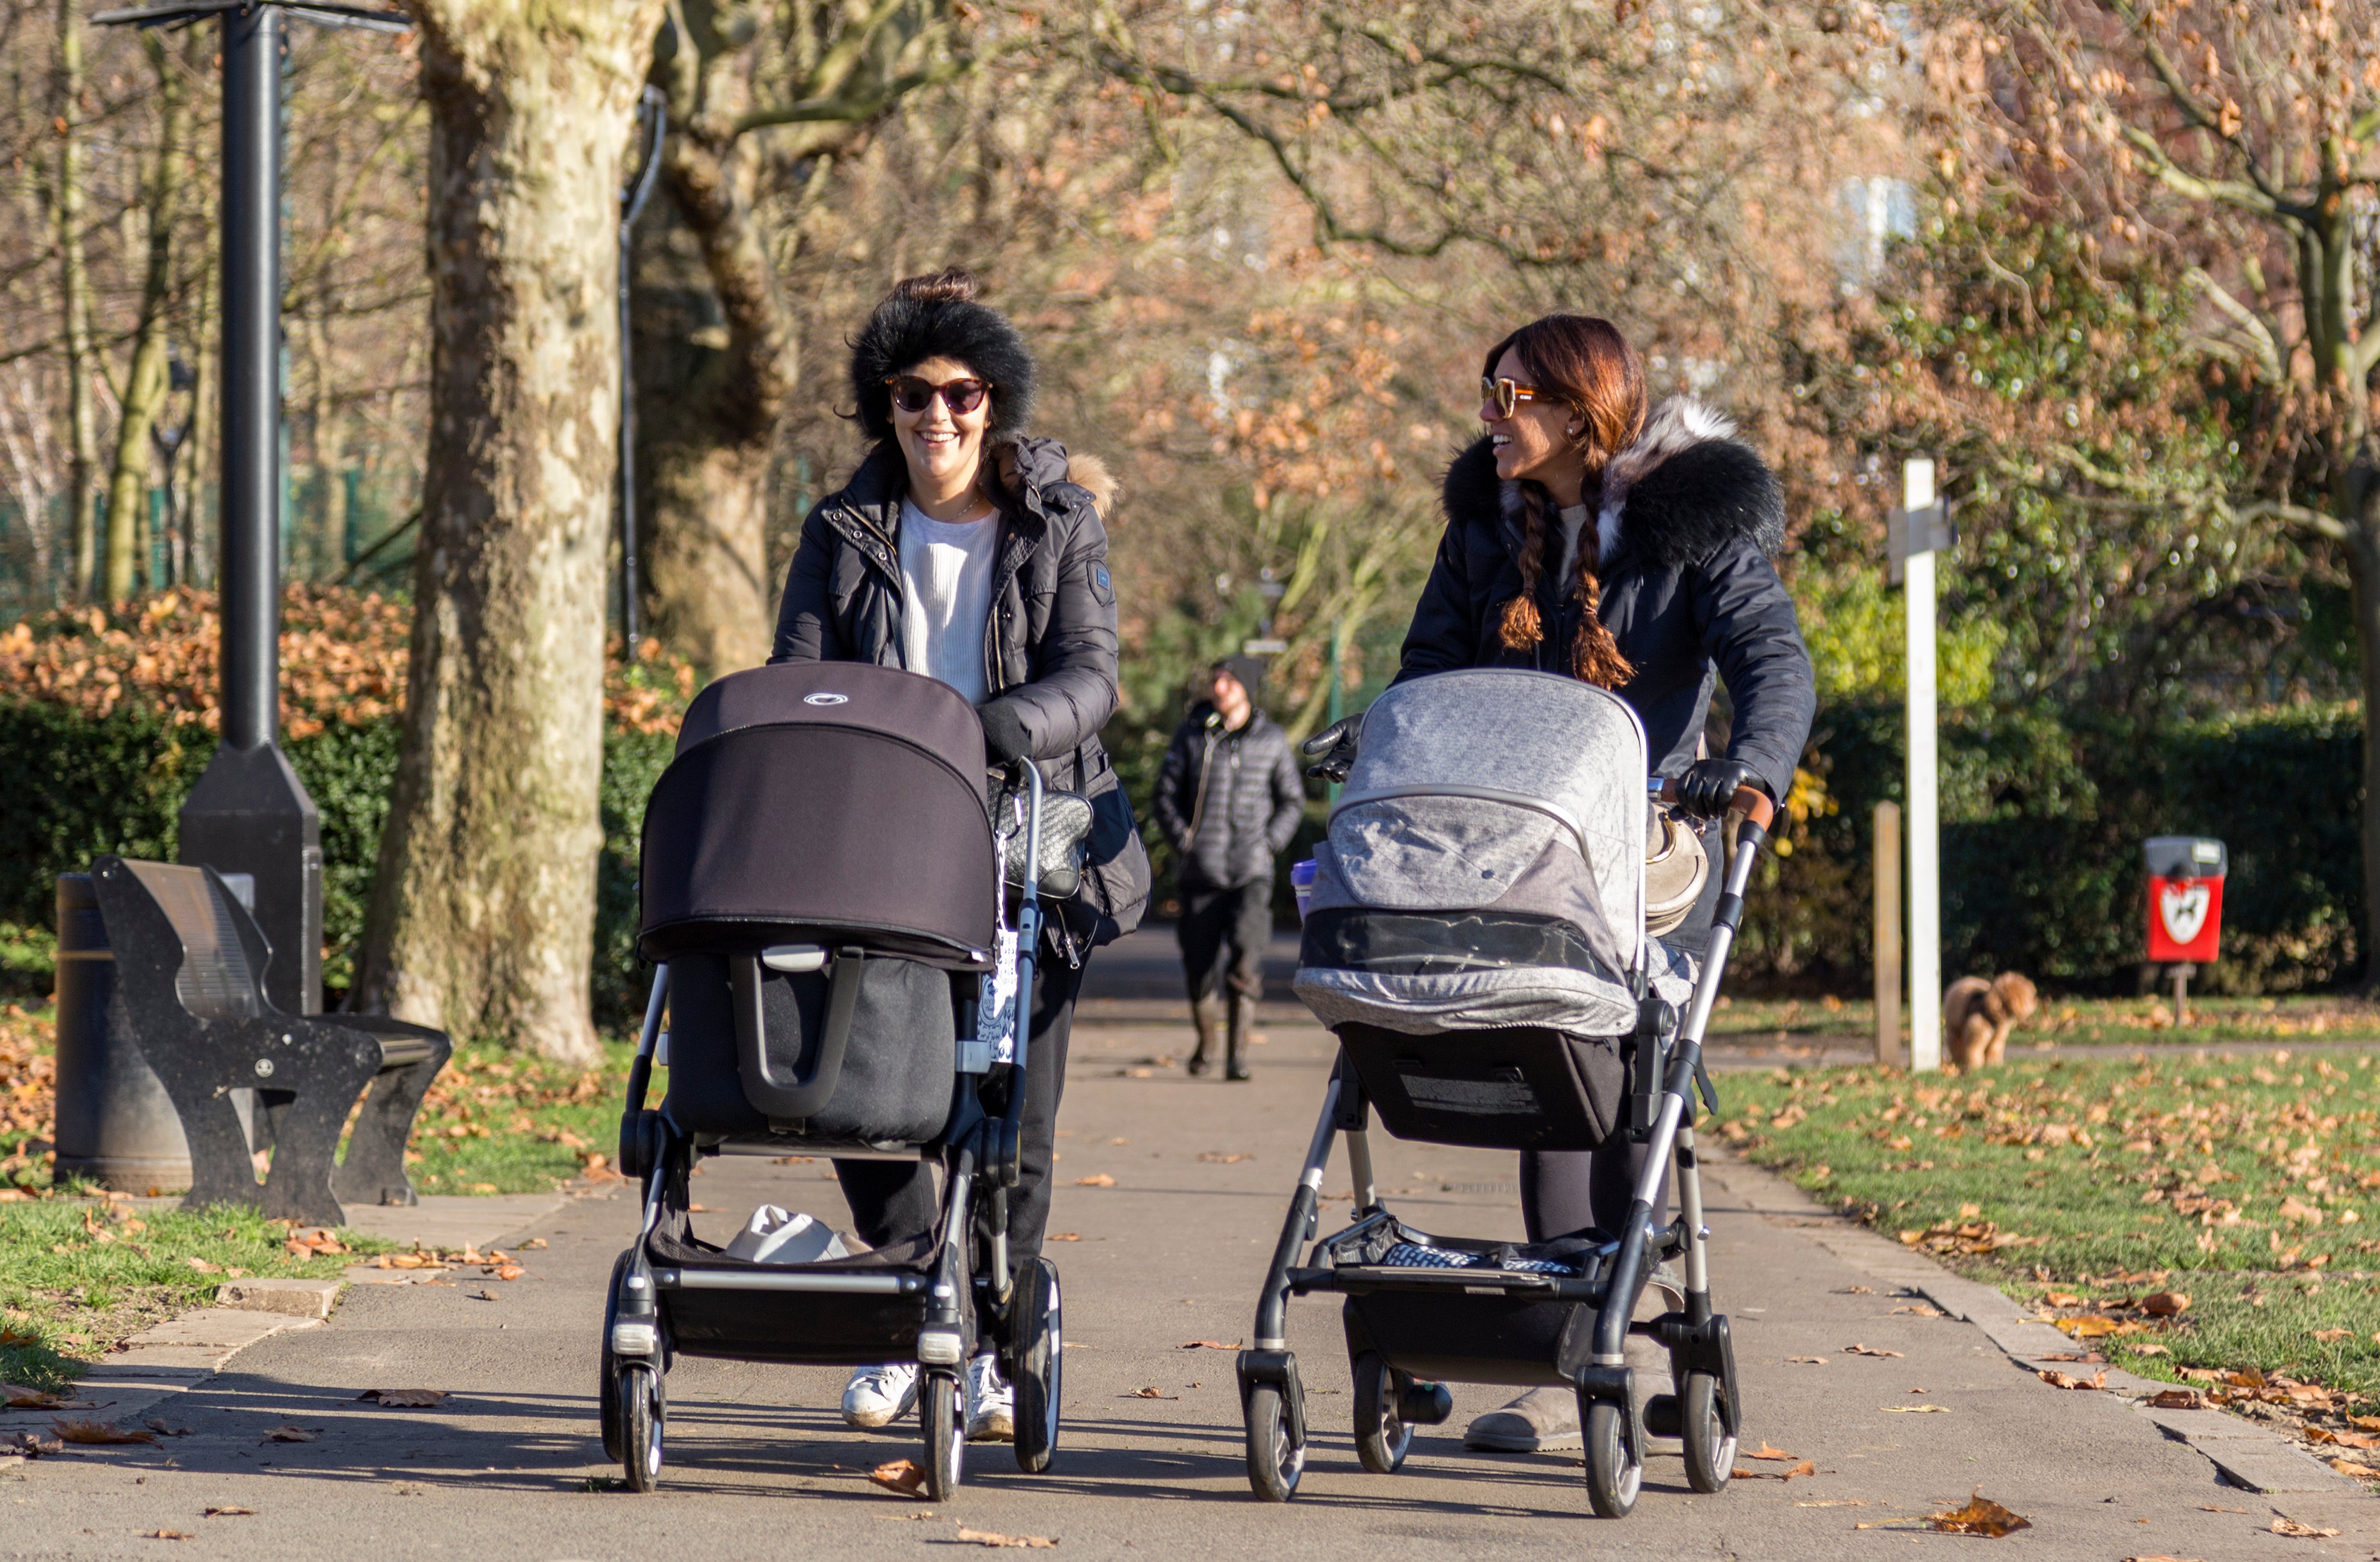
(2260, 337)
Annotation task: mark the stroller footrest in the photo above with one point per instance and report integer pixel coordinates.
(1362, 1279)
(789, 1278)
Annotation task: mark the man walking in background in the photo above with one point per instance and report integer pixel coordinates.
(1228, 799)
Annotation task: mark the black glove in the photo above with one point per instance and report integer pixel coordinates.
(1004, 739)
(1709, 785)
(1335, 747)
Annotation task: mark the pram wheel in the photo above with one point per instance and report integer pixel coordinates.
(639, 1390)
(1276, 1455)
(1615, 1460)
(937, 1404)
(1039, 1352)
(1710, 1447)
(1382, 1436)
(607, 1391)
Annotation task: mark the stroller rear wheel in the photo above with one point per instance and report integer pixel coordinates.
(1710, 1447)
(938, 1403)
(1276, 1454)
(1382, 1436)
(607, 1391)
(1039, 1354)
(639, 1390)
(1615, 1460)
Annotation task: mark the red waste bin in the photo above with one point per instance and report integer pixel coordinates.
(2185, 899)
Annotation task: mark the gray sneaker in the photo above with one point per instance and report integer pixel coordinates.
(1539, 1421)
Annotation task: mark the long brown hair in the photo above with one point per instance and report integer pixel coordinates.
(1585, 365)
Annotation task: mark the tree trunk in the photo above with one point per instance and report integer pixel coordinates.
(146, 387)
(2357, 495)
(74, 277)
(483, 908)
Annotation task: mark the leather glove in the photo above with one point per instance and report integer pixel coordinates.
(1334, 748)
(1709, 785)
(1004, 739)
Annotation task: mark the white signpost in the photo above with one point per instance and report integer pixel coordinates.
(1919, 529)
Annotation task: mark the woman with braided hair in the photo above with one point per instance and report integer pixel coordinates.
(1586, 538)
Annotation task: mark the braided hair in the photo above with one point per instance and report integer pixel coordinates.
(1588, 366)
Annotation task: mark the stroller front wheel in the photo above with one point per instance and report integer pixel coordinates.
(1615, 1464)
(937, 1404)
(639, 1390)
(1276, 1455)
(1039, 1352)
(1382, 1436)
(1710, 1447)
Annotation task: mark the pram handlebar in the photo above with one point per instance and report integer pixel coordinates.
(1750, 802)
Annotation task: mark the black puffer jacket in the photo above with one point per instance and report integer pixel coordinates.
(1228, 802)
(1050, 643)
(1688, 517)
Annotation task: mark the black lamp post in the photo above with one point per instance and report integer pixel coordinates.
(249, 815)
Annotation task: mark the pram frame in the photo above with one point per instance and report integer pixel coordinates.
(1594, 1363)
(983, 1162)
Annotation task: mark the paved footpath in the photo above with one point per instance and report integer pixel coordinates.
(760, 1465)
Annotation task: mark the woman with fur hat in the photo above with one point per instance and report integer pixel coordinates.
(962, 549)
(1586, 539)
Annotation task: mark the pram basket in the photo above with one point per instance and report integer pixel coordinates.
(1477, 940)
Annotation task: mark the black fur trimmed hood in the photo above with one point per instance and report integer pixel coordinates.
(1686, 487)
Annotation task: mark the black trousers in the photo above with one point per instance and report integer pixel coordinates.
(893, 1199)
(1567, 1191)
(1224, 933)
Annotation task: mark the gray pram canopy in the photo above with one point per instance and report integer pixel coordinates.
(1486, 863)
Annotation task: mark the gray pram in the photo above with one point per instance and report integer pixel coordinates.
(1476, 938)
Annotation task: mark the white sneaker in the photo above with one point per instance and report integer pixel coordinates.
(879, 1396)
(992, 1403)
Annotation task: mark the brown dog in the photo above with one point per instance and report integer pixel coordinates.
(1977, 1016)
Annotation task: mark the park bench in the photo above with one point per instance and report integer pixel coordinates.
(189, 994)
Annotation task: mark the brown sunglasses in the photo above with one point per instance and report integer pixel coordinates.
(1506, 394)
(911, 393)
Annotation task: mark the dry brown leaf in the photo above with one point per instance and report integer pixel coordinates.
(412, 1398)
(509, 1272)
(1914, 1409)
(1150, 1393)
(1808, 1360)
(16, 1397)
(1980, 1517)
(228, 1511)
(1205, 1345)
(993, 1537)
(2057, 1379)
(100, 1433)
(1064, 1237)
(532, 1243)
(166, 1535)
(1099, 1180)
(1214, 1158)
(2179, 1399)
(1867, 1351)
(2093, 1325)
(2166, 1304)
(1805, 1467)
(2348, 1467)
(1765, 1451)
(2284, 1525)
(2327, 1336)
(2062, 1298)
(291, 1434)
(905, 1476)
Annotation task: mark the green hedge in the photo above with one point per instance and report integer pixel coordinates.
(86, 785)
(2043, 821)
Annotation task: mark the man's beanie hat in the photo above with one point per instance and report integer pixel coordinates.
(937, 316)
(1249, 670)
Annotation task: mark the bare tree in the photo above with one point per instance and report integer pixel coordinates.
(483, 908)
(74, 299)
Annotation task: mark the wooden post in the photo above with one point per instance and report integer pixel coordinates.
(1888, 932)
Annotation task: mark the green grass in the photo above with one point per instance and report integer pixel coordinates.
(501, 1122)
(2126, 1021)
(76, 1275)
(2248, 1182)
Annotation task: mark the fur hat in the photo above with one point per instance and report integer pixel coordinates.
(936, 316)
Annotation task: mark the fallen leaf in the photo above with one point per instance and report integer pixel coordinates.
(2145, 1350)
(2326, 1336)
(2062, 1298)
(2210, 1507)
(186, 1535)
(2285, 1525)
(203, 1266)
(1212, 1158)
(18, 1397)
(1099, 1180)
(1867, 1351)
(2348, 1467)
(1916, 1410)
(2057, 1379)
(2344, 1439)
(2179, 1399)
(33, 1445)
(532, 1243)
(291, 1434)
(2166, 1304)
(100, 1433)
(2092, 1325)
(1860, 1291)
(1064, 1237)
(1765, 1451)
(229, 1512)
(1205, 1345)
(1980, 1517)
(1149, 1393)
(2162, 1557)
(406, 1397)
(1808, 1360)
(993, 1537)
(1832, 1502)
(1805, 1467)
(510, 1272)
(159, 1426)
(1923, 1310)
(905, 1476)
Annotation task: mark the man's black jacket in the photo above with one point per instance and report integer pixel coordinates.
(1228, 802)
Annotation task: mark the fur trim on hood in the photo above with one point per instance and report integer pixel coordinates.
(1685, 487)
